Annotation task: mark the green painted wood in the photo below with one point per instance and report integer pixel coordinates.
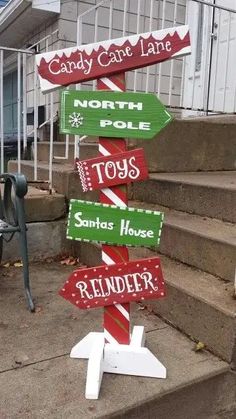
(103, 223)
(112, 114)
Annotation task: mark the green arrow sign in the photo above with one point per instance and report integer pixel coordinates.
(112, 114)
(103, 223)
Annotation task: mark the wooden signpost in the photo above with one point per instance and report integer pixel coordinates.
(109, 224)
(113, 117)
(102, 172)
(92, 61)
(109, 114)
(121, 283)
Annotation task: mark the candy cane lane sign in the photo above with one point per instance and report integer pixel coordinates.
(121, 283)
(120, 168)
(109, 114)
(92, 61)
(109, 224)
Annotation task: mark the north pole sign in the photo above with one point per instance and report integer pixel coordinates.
(109, 224)
(112, 114)
(121, 283)
(120, 168)
(93, 61)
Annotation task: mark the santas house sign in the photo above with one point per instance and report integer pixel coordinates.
(92, 61)
(109, 224)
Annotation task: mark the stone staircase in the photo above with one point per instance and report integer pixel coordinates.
(193, 180)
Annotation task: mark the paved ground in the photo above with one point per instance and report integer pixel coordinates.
(39, 380)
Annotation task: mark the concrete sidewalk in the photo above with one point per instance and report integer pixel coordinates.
(39, 380)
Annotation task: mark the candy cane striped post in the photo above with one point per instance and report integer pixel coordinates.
(116, 317)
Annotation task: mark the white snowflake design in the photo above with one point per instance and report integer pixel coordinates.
(75, 119)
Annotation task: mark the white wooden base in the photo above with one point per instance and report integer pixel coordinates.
(133, 359)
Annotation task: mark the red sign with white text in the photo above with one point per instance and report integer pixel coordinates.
(121, 168)
(93, 61)
(113, 284)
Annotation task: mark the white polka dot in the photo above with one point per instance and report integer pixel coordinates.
(137, 265)
(88, 306)
(85, 276)
(162, 293)
(163, 283)
(75, 274)
(77, 302)
(67, 282)
(90, 189)
(157, 266)
(151, 292)
(89, 184)
(106, 299)
(114, 302)
(120, 269)
(73, 295)
(96, 302)
(94, 270)
(122, 296)
(144, 269)
(106, 268)
(142, 298)
(134, 295)
(88, 178)
(63, 289)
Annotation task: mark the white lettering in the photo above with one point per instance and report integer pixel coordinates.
(134, 172)
(105, 122)
(82, 286)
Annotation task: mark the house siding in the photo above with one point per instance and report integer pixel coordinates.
(66, 24)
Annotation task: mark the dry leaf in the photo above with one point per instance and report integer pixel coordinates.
(18, 264)
(49, 260)
(70, 261)
(199, 346)
(24, 326)
(38, 309)
(141, 306)
(6, 265)
(73, 317)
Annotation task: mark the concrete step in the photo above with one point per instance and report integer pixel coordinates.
(198, 385)
(45, 239)
(190, 145)
(197, 303)
(86, 151)
(65, 180)
(211, 194)
(205, 243)
(42, 206)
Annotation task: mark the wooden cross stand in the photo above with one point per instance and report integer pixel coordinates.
(113, 116)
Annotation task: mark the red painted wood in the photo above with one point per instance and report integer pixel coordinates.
(116, 318)
(102, 172)
(93, 61)
(120, 283)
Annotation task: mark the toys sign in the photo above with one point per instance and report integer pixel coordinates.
(102, 172)
(109, 114)
(92, 61)
(121, 283)
(109, 224)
